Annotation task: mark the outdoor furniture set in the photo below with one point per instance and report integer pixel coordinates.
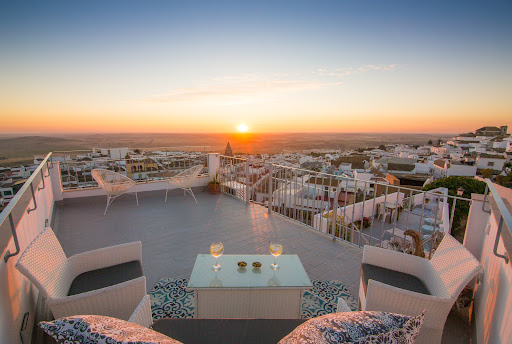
(233, 305)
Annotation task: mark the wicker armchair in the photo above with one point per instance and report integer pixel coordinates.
(68, 283)
(184, 180)
(396, 282)
(114, 184)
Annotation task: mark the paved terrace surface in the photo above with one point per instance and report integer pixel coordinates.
(173, 233)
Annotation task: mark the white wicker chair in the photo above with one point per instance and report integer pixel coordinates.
(45, 264)
(114, 184)
(185, 180)
(452, 267)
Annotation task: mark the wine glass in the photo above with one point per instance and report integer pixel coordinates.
(216, 250)
(275, 250)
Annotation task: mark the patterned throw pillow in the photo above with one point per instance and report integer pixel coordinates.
(357, 328)
(97, 329)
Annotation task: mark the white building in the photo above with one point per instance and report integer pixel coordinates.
(490, 161)
(444, 168)
(113, 153)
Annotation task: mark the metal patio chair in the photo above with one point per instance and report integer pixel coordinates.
(185, 180)
(114, 184)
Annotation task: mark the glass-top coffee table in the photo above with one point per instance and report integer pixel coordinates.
(249, 292)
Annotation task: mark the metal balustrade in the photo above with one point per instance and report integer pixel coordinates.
(361, 212)
(76, 166)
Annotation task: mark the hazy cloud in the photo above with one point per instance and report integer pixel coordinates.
(246, 88)
(343, 72)
(240, 89)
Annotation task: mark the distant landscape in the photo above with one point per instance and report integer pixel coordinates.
(16, 149)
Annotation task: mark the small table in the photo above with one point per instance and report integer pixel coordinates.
(233, 292)
(393, 207)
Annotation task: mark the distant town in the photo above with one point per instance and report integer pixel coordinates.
(484, 153)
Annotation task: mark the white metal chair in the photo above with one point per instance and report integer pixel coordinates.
(114, 184)
(185, 180)
(383, 212)
(444, 276)
(66, 283)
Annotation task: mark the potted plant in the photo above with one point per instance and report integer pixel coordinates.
(214, 184)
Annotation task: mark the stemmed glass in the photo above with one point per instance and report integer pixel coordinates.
(275, 250)
(216, 250)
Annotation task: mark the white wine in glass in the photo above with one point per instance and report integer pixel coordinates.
(216, 250)
(275, 250)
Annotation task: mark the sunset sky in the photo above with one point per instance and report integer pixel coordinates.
(277, 66)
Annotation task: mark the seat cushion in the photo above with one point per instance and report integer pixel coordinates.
(101, 278)
(97, 329)
(226, 331)
(357, 328)
(390, 277)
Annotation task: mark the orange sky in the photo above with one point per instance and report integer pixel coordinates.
(339, 67)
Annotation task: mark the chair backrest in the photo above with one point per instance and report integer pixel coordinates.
(455, 265)
(187, 177)
(45, 264)
(112, 182)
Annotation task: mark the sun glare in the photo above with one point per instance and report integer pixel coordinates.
(242, 128)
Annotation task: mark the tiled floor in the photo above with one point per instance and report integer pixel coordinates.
(173, 233)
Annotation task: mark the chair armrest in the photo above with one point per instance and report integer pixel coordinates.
(142, 314)
(105, 257)
(395, 260)
(386, 298)
(118, 301)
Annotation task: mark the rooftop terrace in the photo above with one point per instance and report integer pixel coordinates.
(173, 233)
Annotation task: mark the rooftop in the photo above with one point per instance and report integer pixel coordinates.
(174, 233)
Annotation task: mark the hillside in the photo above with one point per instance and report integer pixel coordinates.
(25, 147)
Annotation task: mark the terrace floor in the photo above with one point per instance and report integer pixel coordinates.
(173, 233)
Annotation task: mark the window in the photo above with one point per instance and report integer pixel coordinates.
(490, 163)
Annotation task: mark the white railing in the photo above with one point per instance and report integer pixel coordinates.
(367, 212)
(76, 168)
(21, 221)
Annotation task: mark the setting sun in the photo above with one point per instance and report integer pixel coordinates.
(242, 128)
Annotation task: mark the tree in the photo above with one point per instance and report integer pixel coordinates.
(486, 173)
(127, 156)
(382, 147)
(136, 151)
(462, 208)
(439, 141)
(505, 181)
(430, 142)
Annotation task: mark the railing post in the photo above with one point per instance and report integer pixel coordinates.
(334, 213)
(270, 201)
(247, 196)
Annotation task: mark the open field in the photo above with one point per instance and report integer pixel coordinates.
(19, 148)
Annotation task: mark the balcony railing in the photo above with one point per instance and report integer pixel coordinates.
(76, 167)
(367, 212)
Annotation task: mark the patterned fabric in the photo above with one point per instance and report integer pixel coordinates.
(322, 299)
(170, 298)
(357, 328)
(97, 329)
(405, 335)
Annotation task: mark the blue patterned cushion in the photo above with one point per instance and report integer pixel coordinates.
(97, 329)
(357, 328)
